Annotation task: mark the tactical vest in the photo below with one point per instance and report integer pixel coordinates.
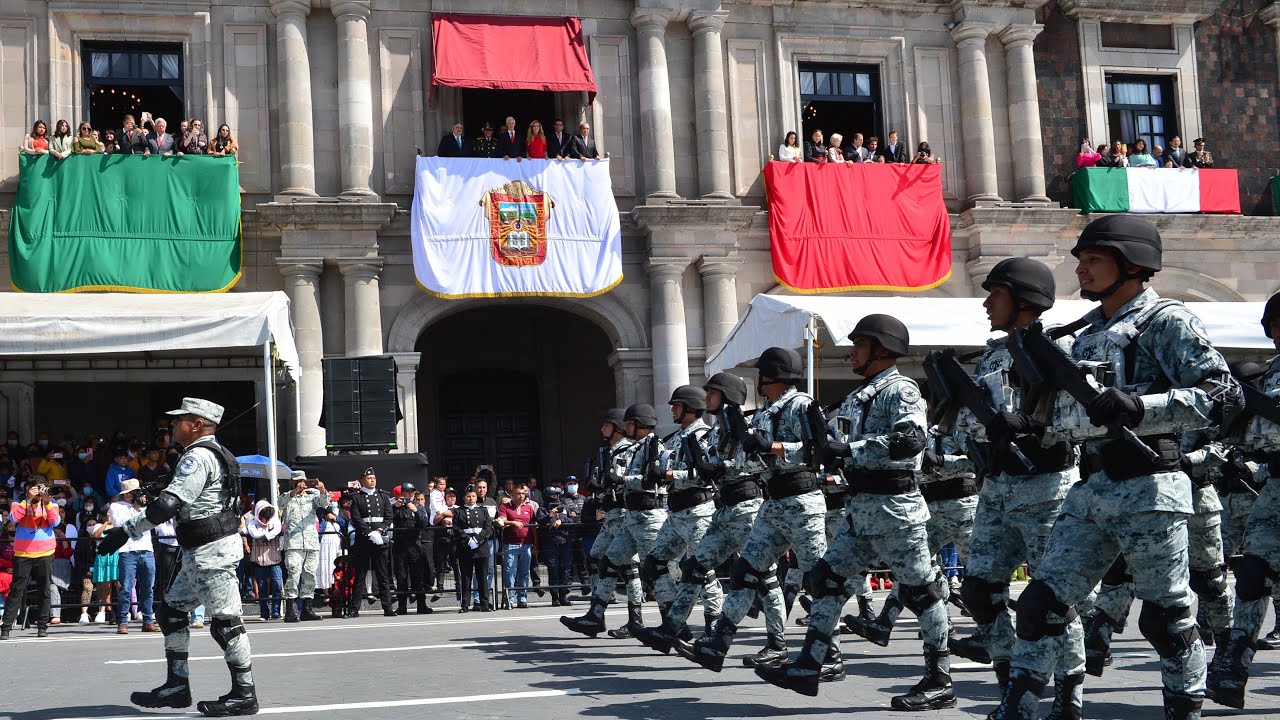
(194, 533)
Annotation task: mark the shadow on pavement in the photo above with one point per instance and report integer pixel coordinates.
(81, 711)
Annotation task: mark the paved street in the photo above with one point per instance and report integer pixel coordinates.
(525, 665)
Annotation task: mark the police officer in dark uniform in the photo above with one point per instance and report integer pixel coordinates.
(408, 521)
(371, 513)
(486, 146)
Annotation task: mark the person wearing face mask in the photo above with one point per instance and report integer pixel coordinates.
(563, 513)
(371, 514)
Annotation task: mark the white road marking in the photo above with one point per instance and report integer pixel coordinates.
(362, 705)
(954, 665)
(349, 651)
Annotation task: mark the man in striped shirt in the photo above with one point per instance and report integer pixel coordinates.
(34, 542)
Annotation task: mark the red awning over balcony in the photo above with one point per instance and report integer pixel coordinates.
(510, 53)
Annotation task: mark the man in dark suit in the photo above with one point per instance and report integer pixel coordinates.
(454, 144)
(894, 151)
(510, 142)
(558, 141)
(133, 139)
(582, 145)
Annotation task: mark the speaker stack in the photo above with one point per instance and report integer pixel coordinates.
(360, 403)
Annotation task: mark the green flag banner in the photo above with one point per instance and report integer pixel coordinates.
(126, 223)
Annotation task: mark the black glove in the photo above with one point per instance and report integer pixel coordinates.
(710, 470)
(1112, 406)
(931, 460)
(1010, 425)
(903, 445)
(1184, 464)
(833, 451)
(1236, 469)
(653, 477)
(756, 442)
(112, 541)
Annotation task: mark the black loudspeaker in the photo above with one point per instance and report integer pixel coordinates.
(360, 409)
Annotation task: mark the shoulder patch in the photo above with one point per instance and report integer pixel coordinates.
(909, 393)
(188, 465)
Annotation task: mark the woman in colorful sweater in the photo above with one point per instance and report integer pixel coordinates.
(33, 544)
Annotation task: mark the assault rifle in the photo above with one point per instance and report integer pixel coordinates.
(652, 456)
(599, 469)
(814, 434)
(950, 379)
(1041, 362)
(736, 424)
(694, 456)
(1260, 404)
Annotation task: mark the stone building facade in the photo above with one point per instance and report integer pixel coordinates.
(329, 100)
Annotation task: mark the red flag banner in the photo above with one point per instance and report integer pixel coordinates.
(836, 227)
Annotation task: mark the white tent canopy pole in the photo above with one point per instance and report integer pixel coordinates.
(788, 320)
(269, 377)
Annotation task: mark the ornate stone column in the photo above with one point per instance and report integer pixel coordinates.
(293, 80)
(668, 340)
(1024, 110)
(363, 306)
(407, 394)
(975, 109)
(719, 297)
(355, 98)
(302, 283)
(659, 150)
(711, 108)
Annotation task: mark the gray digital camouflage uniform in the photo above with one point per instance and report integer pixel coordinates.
(614, 521)
(301, 542)
(638, 533)
(1144, 517)
(208, 573)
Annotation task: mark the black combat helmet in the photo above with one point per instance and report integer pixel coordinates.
(616, 417)
(732, 387)
(1246, 370)
(1135, 239)
(782, 364)
(886, 330)
(642, 415)
(691, 396)
(1029, 281)
(1270, 312)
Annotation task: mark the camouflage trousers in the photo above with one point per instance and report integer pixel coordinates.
(1262, 539)
(730, 526)
(634, 540)
(300, 573)
(859, 586)
(906, 551)
(681, 534)
(1086, 539)
(614, 522)
(950, 521)
(797, 523)
(208, 577)
(1236, 509)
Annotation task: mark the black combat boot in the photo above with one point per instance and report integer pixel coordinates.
(1229, 671)
(1066, 706)
(969, 647)
(802, 674)
(710, 652)
(934, 691)
(242, 700)
(4, 631)
(176, 690)
(661, 637)
(290, 612)
(832, 667)
(1098, 629)
(877, 630)
(42, 630)
(305, 612)
(1002, 674)
(773, 653)
(1181, 707)
(591, 624)
(635, 620)
(866, 608)
(806, 604)
(1020, 684)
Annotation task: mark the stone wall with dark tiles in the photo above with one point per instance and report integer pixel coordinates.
(1057, 53)
(1236, 53)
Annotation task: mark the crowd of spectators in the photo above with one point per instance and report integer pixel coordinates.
(509, 142)
(835, 150)
(151, 137)
(1120, 154)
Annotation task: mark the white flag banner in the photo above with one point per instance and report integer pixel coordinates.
(487, 227)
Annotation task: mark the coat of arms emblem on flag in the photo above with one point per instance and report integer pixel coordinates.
(517, 224)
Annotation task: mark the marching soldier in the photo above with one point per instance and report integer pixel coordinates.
(881, 429)
(203, 500)
(301, 545)
(1163, 378)
(486, 146)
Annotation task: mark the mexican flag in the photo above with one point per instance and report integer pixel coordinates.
(1156, 190)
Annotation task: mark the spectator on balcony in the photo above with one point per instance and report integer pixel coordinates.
(835, 153)
(194, 141)
(1199, 158)
(584, 146)
(1176, 156)
(814, 149)
(1086, 156)
(535, 141)
(486, 145)
(159, 141)
(893, 150)
(857, 151)
(454, 144)
(133, 139)
(1140, 157)
(924, 155)
(223, 144)
(510, 143)
(37, 141)
(1114, 157)
(790, 150)
(109, 144)
(1157, 152)
(85, 143)
(873, 150)
(60, 143)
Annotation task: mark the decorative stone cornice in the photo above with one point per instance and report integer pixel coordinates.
(290, 7)
(304, 266)
(1270, 15)
(651, 19)
(712, 266)
(667, 268)
(1015, 35)
(693, 214)
(363, 267)
(700, 22)
(328, 215)
(359, 8)
(1145, 12)
(971, 32)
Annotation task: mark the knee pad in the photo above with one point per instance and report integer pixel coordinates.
(918, 598)
(1034, 606)
(628, 572)
(607, 569)
(224, 630)
(651, 569)
(1118, 573)
(980, 597)
(691, 571)
(1251, 578)
(1209, 584)
(743, 575)
(1155, 624)
(824, 581)
(170, 620)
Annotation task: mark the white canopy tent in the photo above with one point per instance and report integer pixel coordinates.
(110, 323)
(797, 320)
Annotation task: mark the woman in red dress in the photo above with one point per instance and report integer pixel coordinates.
(535, 142)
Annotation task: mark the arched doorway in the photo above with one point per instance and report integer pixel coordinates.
(518, 387)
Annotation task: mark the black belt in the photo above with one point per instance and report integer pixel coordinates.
(790, 484)
(953, 489)
(1055, 458)
(685, 499)
(1123, 462)
(740, 492)
(835, 500)
(641, 501)
(194, 533)
(882, 482)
